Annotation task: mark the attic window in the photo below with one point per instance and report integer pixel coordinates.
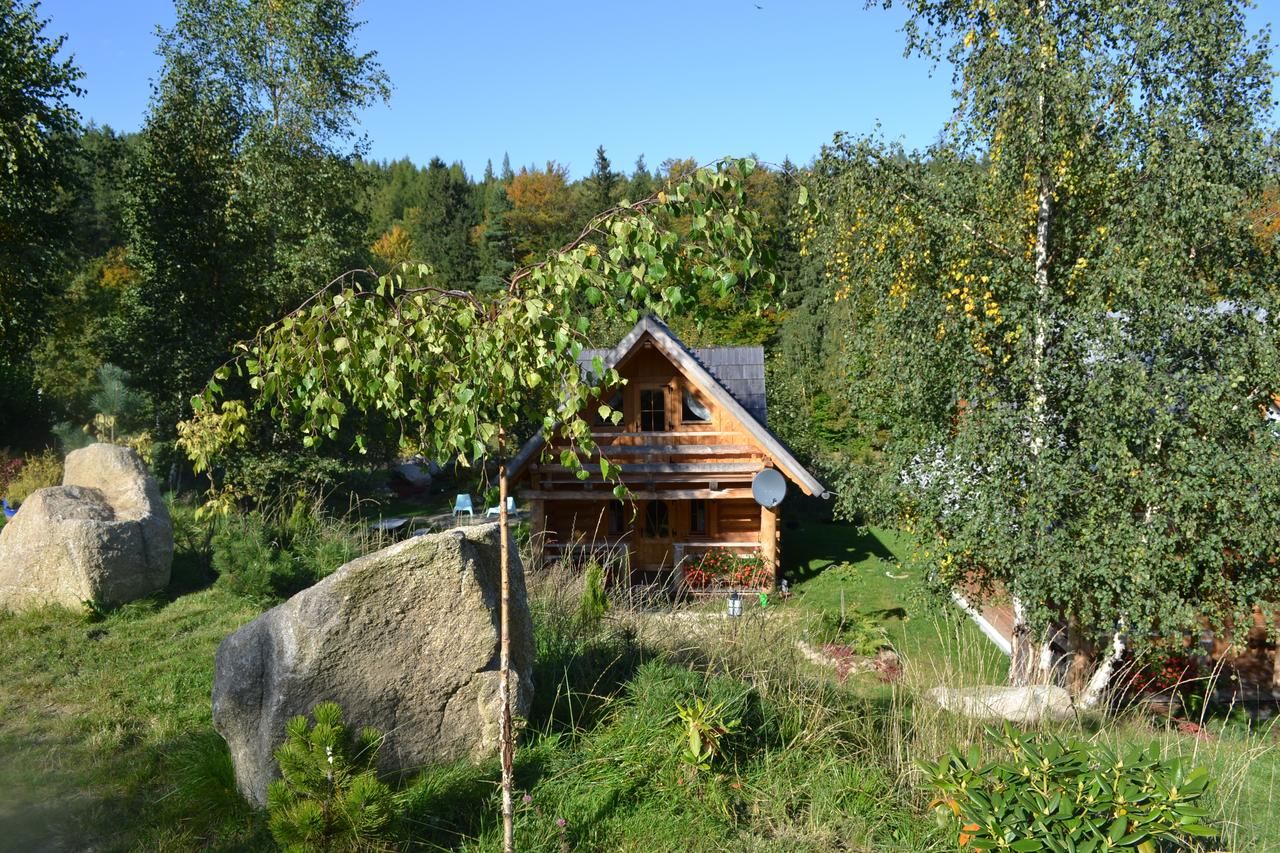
(693, 410)
(653, 410)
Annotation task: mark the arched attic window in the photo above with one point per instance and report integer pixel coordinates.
(693, 410)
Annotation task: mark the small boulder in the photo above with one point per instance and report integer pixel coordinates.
(104, 535)
(1015, 704)
(405, 639)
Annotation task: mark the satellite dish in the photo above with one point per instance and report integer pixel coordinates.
(769, 487)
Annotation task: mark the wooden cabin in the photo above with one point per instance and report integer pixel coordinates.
(692, 439)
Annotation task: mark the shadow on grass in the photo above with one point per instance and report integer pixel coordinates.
(816, 547)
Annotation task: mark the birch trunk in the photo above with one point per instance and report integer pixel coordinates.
(505, 738)
(1027, 661)
(1101, 679)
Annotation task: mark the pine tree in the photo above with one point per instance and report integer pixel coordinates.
(329, 796)
(642, 184)
(441, 227)
(602, 184)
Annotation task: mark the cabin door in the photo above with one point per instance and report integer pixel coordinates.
(654, 539)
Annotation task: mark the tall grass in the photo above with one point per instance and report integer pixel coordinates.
(107, 740)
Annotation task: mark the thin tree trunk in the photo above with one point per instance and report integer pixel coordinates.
(1027, 663)
(1082, 654)
(1101, 680)
(1023, 657)
(505, 736)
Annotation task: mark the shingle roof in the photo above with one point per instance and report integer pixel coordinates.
(739, 369)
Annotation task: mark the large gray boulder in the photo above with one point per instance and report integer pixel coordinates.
(104, 535)
(1015, 704)
(405, 639)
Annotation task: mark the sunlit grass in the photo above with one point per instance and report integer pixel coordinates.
(107, 740)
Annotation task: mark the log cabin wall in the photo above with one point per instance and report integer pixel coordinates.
(689, 455)
(688, 448)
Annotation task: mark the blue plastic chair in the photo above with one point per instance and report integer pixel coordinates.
(463, 504)
(9, 512)
(497, 510)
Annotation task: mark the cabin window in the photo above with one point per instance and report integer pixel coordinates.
(693, 410)
(613, 402)
(657, 524)
(617, 519)
(653, 410)
(697, 516)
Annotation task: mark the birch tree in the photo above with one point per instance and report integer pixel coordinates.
(464, 373)
(1068, 284)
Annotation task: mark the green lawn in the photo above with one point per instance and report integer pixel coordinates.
(869, 567)
(102, 723)
(106, 740)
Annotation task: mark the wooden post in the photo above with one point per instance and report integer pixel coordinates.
(537, 532)
(769, 539)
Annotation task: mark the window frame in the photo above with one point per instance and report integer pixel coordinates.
(617, 523)
(698, 507)
(644, 412)
(701, 401)
(657, 520)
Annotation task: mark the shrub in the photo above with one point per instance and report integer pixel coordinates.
(720, 567)
(37, 472)
(276, 474)
(860, 633)
(329, 796)
(1057, 796)
(266, 556)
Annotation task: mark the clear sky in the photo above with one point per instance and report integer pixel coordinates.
(552, 80)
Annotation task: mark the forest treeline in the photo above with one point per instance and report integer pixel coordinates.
(157, 280)
(1046, 345)
(246, 190)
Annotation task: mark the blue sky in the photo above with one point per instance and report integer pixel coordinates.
(552, 80)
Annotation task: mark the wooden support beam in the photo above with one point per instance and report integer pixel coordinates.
(663, 495)
(651, 481)
(610, 436)
(668, 468)
(769, 538)
(613, 451)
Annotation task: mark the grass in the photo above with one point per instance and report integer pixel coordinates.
(99, 721)
(867, 570)
(106, 739)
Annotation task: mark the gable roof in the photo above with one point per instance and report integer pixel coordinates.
(739, 369)
(739, 365)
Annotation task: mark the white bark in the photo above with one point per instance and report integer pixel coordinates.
(506, 738)
(1101, 678)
